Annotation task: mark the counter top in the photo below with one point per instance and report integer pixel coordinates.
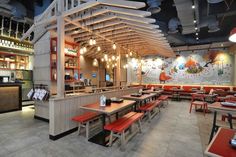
(11, 83)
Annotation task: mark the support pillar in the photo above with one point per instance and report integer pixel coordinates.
(140, 78)
(60, 51)
(118, 70)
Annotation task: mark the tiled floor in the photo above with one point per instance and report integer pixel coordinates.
(174, 134)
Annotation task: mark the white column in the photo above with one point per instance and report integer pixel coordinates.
(60, 51)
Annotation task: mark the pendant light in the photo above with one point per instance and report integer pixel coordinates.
(99, 48)
(232, 36)
(81, 51)
(90, 41)
(130, 53)
(105, 57)
(114, 46)
(84, 49)
(94, 42)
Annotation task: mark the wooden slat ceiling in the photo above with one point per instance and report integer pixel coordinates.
(113, 21)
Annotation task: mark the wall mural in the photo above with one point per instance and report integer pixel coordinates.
(200, 67)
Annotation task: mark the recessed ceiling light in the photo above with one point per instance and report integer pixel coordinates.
(193, 6)
(197, 38)
(196, 33)
(195, 28)
(194, 21)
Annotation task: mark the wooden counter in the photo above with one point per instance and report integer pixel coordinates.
(11, 97)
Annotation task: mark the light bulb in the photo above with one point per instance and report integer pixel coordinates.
(90, 41)
(113, 58)
(108, 66)
(130, 53)
(114, 46)
(94, 42)
(115, 64)
(102, 59)
(81, 51)
(84, 49)
(127, 55)
(99, 48)
(105, 56)
(109, 59)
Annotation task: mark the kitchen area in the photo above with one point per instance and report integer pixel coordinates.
(16, 71)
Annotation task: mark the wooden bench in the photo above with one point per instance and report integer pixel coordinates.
(150, 109)
(118, 128)
(164, 98)
(84, 120)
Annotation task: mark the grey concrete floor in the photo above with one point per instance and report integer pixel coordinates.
(175, 133)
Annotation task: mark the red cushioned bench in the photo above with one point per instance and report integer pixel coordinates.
(119, 127)
(164, 98)
(84, 120)
(150, 109)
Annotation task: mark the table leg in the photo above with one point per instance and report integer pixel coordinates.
(117, 115)
(230, 120)
(103, 120)
(213, 126)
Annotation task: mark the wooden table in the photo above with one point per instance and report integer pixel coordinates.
(140, 99)
(108, 110)
(217, 107)
(219, 146)
(114, 108)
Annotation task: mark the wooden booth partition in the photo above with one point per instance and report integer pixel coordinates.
(61, 110)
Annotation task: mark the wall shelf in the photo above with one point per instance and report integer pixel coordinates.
(72, 65)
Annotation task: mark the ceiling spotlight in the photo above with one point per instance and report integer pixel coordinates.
(196, 33)
(193, 6)
(114, 46)
(194, 21)
(232, 36)
(197, 38)
(99, 48)
(195, 28)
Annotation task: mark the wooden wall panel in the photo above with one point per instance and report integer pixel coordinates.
(62, 110)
